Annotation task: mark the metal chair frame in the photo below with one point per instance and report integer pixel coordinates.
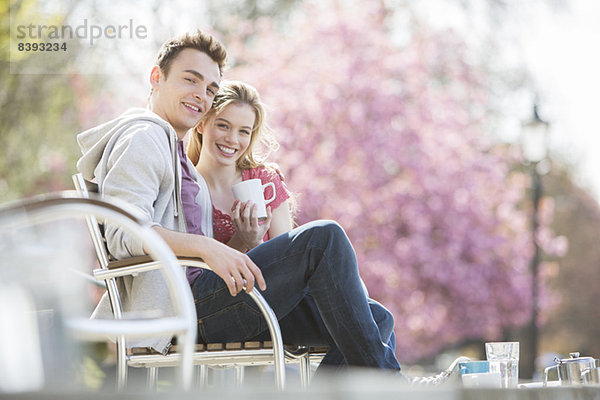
(110, 270)
(59, 206)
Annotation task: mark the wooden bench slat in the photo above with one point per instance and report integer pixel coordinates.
(198, 347)
(126, 262)
(234, 346)
(215, 346)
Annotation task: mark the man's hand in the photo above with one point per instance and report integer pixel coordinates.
(235, 268)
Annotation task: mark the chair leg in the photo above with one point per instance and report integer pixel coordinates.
(152, 378)
(218, 375)
(121, 363)
(201, 375)
(239, 375)
(305, 371)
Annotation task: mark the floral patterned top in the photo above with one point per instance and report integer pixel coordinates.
(223, 228)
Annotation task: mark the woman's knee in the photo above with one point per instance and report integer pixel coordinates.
(383, 318)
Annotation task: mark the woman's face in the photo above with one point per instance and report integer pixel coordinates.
(226, 136)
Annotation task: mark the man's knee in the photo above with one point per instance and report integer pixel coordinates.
(327, 230)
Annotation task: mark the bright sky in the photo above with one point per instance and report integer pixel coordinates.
(558, 45)
(562, 53)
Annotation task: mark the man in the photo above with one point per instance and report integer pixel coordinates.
(309, 276)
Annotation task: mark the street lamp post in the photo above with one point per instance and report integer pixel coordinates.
(535, 149)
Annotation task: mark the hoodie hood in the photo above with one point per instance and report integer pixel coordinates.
(95, 141)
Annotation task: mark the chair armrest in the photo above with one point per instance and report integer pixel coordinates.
(184, 261)
(137, 264)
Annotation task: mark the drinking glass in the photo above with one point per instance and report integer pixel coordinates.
(504, 358)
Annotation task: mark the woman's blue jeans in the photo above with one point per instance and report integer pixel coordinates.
(315, 290)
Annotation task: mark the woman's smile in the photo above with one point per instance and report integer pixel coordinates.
(228, 151)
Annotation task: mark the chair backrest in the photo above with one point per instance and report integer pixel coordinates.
(84, 188)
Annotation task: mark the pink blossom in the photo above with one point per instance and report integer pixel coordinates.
(391, 142)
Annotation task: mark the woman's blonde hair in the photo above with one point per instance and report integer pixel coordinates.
(236, 92)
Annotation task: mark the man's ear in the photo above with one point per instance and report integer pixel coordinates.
(155, 76)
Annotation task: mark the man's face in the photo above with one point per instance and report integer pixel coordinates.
(187, 93)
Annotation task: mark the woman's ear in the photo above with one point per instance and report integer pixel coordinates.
(200, 127)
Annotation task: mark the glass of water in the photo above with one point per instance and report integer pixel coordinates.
(504, 359)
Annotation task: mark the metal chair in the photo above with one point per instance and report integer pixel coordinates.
(64, 205)
(236, 355)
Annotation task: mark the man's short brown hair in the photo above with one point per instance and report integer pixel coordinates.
(192, 40)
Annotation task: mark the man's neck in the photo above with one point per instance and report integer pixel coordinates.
(157, 111)
(180, 135)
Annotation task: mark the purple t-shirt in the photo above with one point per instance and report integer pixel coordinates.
(191, 209)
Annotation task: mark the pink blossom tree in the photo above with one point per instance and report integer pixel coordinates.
(390, 140)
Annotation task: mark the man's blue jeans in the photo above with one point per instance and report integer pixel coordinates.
(315, 290)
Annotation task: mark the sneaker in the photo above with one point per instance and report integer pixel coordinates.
(440, 378)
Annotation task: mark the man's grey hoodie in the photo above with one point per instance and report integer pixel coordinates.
(134, 158)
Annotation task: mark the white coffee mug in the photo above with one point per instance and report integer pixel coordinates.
(253, 190)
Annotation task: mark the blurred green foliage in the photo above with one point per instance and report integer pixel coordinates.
(38, 120)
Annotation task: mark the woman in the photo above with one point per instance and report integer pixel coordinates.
(223, 148)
